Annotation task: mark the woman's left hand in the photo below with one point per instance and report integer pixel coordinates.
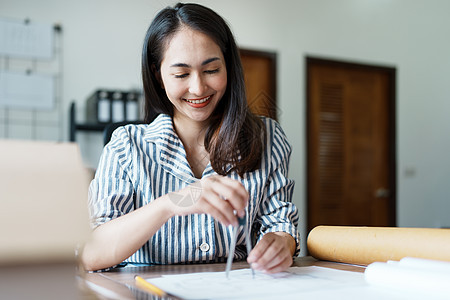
(273, 253)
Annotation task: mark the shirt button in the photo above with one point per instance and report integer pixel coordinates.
(204, 247)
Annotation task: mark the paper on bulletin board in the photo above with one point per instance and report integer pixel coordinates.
(26, 39)
(26, 91)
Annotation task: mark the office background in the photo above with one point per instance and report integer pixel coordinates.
(102, 42)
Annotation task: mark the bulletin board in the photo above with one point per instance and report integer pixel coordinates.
(30, 80)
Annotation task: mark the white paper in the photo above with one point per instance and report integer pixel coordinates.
(20, 90)
(418, 276)
(241, 285)
(426, 264)
(29, 40)
(296, 283)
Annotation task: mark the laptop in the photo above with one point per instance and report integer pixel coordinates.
(43, 201)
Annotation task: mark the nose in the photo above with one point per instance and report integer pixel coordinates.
(197, 85)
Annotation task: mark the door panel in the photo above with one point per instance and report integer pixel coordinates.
(260, 81)
(351, 149)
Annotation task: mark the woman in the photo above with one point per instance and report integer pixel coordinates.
(166, 192)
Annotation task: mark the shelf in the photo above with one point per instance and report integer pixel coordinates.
(105, 128)
(74, 127)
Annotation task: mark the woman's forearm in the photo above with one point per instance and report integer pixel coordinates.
(118, 239)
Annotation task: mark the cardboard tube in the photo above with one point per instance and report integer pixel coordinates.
(365, 245)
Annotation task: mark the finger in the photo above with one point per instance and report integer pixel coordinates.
(260, 248)
(216, 213)
(282, 266)
(268, 262)
(232, 190)
(280, 259)
(271, 256)
(220, 205)
(235, 186)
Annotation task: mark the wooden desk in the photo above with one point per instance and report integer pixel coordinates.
(120, 282)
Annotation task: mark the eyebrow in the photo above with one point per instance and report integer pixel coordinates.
(205, 62)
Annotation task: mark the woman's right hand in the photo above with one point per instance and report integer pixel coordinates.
(218, 196)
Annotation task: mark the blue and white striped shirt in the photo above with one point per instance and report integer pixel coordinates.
(144, 162)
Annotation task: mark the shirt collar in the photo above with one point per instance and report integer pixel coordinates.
(172, 156)
(161, 130)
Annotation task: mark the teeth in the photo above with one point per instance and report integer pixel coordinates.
(198, 101)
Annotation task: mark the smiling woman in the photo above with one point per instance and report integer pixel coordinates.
(166, 192)
(193, 74)
(178, 35)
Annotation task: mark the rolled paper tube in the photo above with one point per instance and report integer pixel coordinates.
(365, 245)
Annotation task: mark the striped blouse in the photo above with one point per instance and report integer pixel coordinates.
(144, 162)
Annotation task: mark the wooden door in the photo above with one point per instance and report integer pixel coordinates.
(350, 144)
(260, 81)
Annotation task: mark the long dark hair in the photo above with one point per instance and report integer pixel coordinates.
(235, 137)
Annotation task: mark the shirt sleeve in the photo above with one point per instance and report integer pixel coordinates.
(111, 191)
(277, 212)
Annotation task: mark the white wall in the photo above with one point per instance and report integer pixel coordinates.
(103, 38)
